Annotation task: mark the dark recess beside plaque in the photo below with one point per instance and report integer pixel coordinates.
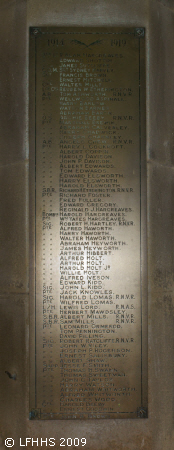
(88, 326)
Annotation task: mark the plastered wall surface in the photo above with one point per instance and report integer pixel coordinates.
(156, 432)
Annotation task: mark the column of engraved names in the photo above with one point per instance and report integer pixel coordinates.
(46, 235)
(92, 192)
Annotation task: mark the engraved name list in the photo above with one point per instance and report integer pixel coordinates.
(87, 272)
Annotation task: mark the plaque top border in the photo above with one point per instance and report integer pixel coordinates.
(136, 32)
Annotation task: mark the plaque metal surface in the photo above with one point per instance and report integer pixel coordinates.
(88, 309)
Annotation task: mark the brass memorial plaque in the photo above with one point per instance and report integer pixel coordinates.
(88, 334)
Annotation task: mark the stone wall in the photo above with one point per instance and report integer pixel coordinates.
(157, 16)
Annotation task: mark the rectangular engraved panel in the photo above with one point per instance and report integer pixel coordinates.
(88, 336)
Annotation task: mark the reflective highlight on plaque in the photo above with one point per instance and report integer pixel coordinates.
(88, 257)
